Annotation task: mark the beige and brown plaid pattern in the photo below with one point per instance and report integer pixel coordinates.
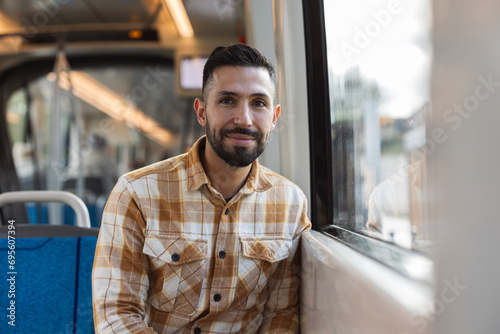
(159, 267)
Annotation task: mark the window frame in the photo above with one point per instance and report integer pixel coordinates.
(320, 139)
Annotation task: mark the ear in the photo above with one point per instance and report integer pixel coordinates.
(276, 114)
(201, 115)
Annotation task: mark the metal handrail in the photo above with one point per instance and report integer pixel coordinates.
(82, 213)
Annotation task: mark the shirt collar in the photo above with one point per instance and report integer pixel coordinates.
(196, 177)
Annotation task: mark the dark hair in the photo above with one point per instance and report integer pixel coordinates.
(234, 55)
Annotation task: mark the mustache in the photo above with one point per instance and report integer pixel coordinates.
(241, 131)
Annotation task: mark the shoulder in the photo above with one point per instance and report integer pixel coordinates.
(278, 179)
(172, 165)
(280, 183)
(285, 191)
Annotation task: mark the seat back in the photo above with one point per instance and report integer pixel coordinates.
(51, 279)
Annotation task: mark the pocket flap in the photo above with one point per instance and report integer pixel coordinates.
(270, 249)
(175, 250)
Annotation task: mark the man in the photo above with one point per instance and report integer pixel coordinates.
(206, 242)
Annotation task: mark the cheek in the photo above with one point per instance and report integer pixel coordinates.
(265, 122)
(216, 120)
(221, 116)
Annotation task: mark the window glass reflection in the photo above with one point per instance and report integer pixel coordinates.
(379, 56)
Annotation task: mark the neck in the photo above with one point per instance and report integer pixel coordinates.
(226, 179)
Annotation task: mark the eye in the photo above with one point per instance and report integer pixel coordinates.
(226, 100)
(260, 104)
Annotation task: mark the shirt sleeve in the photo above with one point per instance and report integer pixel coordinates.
(281, 313)
(119, 277)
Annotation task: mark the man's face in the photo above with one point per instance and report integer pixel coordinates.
(238, 113)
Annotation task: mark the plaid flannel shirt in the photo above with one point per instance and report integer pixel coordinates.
(174, 257)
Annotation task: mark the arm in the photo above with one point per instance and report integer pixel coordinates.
(120, 275)
(282, 307)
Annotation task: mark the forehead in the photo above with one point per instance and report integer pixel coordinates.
(242, 79)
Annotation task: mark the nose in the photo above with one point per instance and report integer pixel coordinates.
(242, 116)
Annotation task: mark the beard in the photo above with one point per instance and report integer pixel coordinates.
(237, 156)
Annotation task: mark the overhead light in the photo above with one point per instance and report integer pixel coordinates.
(106, 100)
(135, 34)
(180, 17)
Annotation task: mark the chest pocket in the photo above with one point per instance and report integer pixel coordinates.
(178, 266)
(258, 260)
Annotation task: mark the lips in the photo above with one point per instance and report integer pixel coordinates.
(240, 139)
(240, 136)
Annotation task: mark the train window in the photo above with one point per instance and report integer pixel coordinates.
(378, 57)
(113, 117)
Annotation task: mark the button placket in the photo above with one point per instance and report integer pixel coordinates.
(219, 288)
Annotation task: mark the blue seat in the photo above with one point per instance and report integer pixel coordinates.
(53, 289)
(38, 213)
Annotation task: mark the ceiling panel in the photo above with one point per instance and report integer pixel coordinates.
(209, 18)
(46, 13)
(214, 17)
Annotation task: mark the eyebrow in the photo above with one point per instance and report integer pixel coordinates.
(229, 93)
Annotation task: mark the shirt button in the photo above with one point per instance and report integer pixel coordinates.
(222, 254)
(217, 297)
(197, 330)
(175, 257)
(226, 212)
